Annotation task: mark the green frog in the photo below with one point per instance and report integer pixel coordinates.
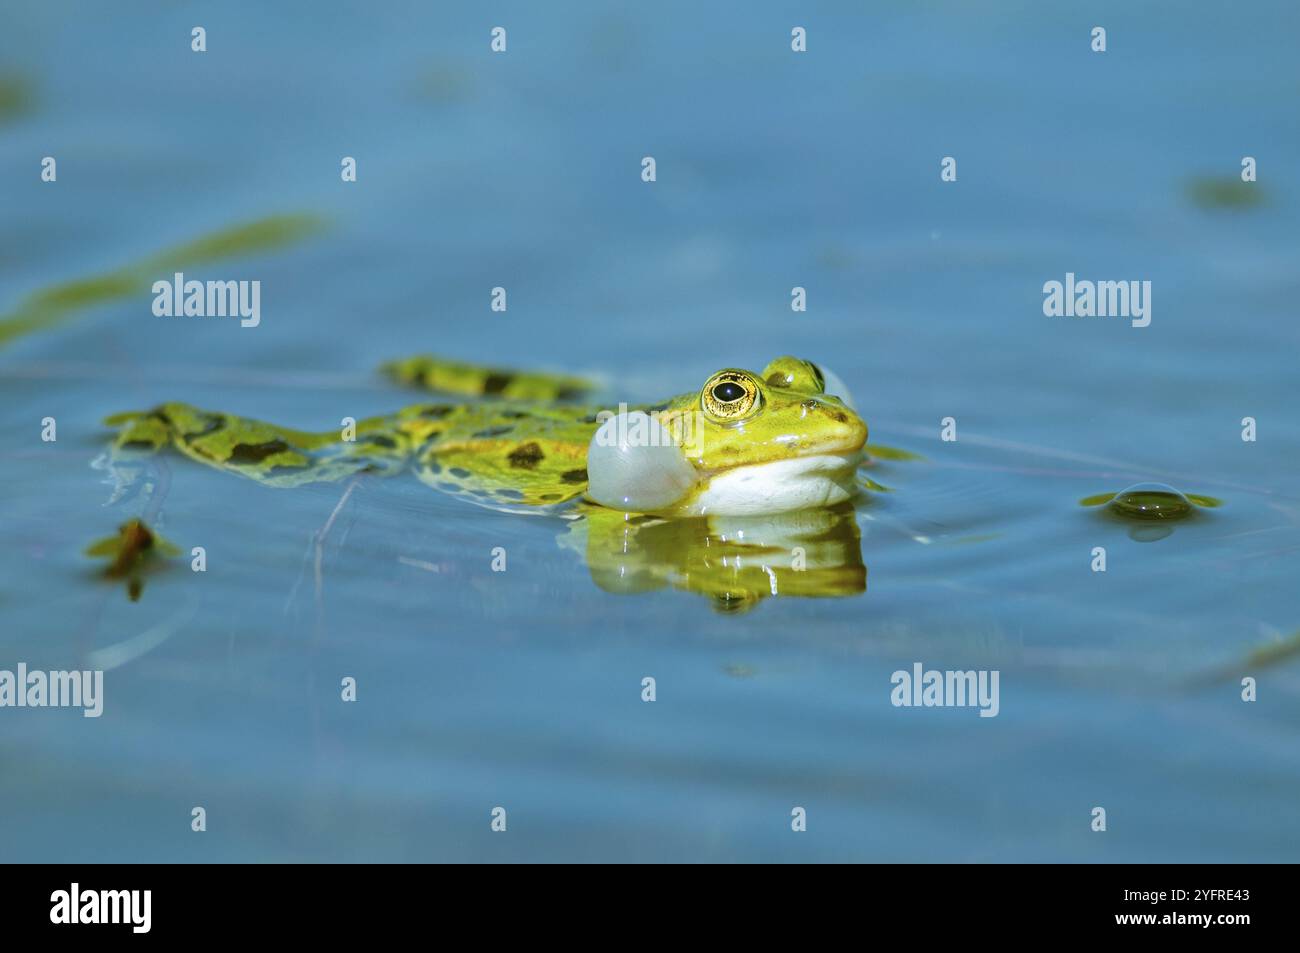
(744, 444)
(738, 490)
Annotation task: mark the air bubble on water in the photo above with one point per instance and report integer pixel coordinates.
(1151, 501)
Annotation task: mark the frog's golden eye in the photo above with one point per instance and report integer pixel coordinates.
(730, 395)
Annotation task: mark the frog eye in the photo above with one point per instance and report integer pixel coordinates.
(730, 395)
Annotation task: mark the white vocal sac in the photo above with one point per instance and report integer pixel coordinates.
(634, 465)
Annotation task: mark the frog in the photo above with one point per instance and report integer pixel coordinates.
(739, 490)
(784, 439)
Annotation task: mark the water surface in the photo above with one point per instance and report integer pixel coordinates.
(522, 689)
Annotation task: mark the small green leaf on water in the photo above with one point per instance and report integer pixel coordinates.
(871, 484)
(1151, 501)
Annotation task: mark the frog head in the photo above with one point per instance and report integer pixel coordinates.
(743, 444)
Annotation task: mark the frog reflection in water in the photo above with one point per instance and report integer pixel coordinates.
(738, 490)
(735, 561)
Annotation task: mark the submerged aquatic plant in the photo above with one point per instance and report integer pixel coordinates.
(1224, 193)
(57, 303)
(134, 549)
(15, 97)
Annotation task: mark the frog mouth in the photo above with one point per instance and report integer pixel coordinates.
(654, 476)
(797, 483)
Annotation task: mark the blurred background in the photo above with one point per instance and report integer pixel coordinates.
(774, 170)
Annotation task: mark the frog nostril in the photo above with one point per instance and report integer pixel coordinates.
(826, 409)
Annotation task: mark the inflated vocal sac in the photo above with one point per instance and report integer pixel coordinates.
(634, 464)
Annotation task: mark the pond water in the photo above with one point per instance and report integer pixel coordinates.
(523, 689)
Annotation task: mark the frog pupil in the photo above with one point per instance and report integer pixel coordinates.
(728, 391)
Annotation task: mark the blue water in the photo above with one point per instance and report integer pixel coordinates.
(523, 689)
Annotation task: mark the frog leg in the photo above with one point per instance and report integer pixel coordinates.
(128, 459)
(495, 455)
(505, 455)
(274, 456)
(456, 377)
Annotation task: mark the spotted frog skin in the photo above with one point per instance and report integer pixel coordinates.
(751, 443)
